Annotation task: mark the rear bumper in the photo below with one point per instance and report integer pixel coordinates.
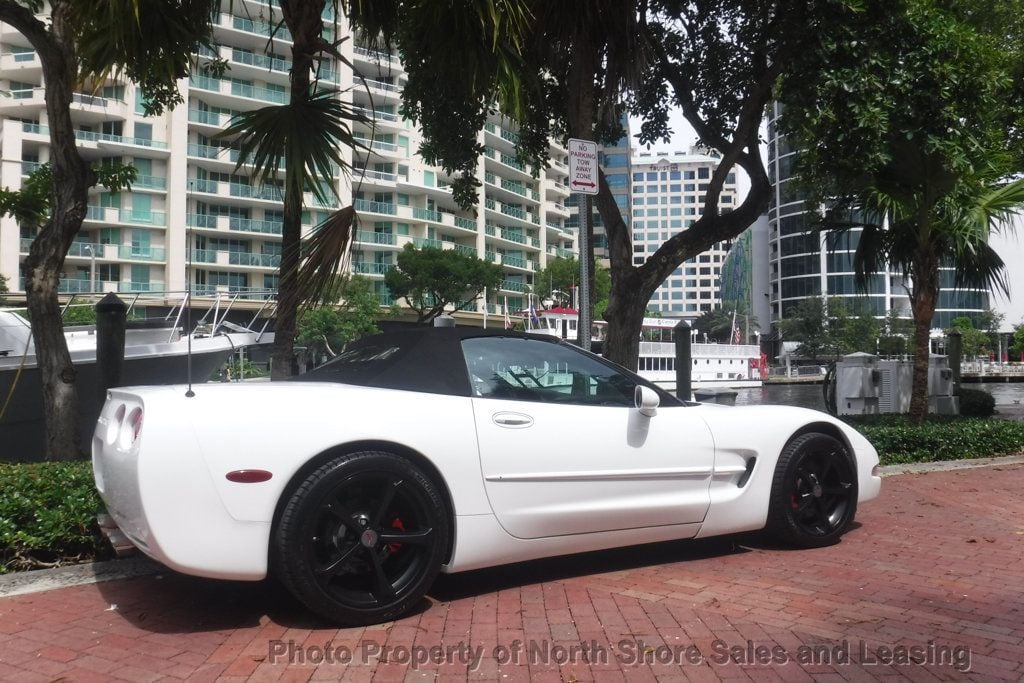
(160, 493)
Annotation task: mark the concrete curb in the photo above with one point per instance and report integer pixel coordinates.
(950, 465)
(21, 583)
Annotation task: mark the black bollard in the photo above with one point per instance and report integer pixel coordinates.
(684, 362)
(111, 314)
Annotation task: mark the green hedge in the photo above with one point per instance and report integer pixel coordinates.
(48, 515)
(940, 438)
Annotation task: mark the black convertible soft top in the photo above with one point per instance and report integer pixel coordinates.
(427, 359)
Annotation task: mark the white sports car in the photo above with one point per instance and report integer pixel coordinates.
(447, 449)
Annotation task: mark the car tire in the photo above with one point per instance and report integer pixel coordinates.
(362, 538)
(814, 492)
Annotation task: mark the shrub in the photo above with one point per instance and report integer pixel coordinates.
(940, 438)
(976, 403)
(48, 515)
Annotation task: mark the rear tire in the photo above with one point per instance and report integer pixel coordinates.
(361, 540)
(814, 492)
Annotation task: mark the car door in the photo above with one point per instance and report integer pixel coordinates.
(563, 450)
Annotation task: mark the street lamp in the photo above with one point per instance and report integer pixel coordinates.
(88, 248)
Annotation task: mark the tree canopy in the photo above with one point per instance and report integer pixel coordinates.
(431, 279)
(560, 277)
(567, 68)
(324, 330)
(908, 124)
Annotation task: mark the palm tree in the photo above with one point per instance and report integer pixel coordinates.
(304, 137)
(920, 235)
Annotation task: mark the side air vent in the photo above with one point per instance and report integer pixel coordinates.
(746, 473)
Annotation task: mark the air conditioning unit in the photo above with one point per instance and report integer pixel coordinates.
(857, 385)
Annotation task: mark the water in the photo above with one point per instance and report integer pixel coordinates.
(809, 395)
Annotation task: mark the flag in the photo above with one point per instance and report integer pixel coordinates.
(508, 320)
(735, 335)
(534, 318)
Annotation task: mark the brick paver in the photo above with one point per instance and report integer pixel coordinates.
(929, 584)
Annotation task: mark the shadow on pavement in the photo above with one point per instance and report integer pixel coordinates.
(176, 603)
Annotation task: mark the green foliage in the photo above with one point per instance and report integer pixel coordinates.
(48, 515)
(326, 329)
(976, 403)
(3, 289)
(429, 279)
(1017, 345)
(940, 438)
(832, 330)
(148, 42)
(30, 205)
(561, 275)
(896, 335)
(972, 342)
(80, 315)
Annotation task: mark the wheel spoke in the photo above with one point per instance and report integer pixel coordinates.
(335, 565)
(805, 500)
(822, 513)
(423, 537)
(389, 495)
(828, 466)
(383, 589)
(344, 515)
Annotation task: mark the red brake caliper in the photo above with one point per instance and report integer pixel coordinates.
(396, 523)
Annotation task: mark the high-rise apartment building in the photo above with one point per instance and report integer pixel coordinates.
(667, 195)
(189, 202)
(804, 262)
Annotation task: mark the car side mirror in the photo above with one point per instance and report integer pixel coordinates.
(646, 400)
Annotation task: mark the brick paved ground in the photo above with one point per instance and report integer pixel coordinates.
(939, 558)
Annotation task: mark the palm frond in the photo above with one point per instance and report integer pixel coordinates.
(980, 268)
(325, 255)
(304, 137)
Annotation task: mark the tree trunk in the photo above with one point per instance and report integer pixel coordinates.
(71, 181)
(303, 19)
(627, 303)
(925, 296)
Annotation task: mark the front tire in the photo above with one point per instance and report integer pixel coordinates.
(814, 492)
(361, 540)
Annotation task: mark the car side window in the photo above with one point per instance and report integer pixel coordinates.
(518, 369)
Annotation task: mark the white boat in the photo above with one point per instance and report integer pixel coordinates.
(730, 366)
(156, 352)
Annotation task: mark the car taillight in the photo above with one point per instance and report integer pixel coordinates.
(131, 427)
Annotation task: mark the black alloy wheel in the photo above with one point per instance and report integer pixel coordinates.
(814, 492)
(362, 538)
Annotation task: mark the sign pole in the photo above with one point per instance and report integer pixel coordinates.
(585, 323)
(583, 179)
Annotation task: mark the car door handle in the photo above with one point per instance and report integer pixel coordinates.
(512, 420)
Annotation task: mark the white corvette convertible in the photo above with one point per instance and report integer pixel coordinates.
(447, 449)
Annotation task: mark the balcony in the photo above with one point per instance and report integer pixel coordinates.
(140, 287)
(366, 206)
(364, 144)
(149, 182)
(514, 285)
(427, 215)
(89, 136)
(268, 192)
(135, 253)
(374, 84)
(104, 214)
(279, 32)
(260, 61)
(376, 55)
(370, 268)
(368, 237)
(236, 258)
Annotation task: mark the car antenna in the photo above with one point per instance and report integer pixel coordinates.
(188, 312)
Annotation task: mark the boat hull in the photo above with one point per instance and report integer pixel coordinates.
(22, 428)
